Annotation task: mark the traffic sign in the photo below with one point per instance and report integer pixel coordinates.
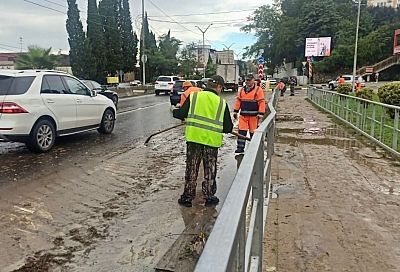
(261, 60)
(260, 71)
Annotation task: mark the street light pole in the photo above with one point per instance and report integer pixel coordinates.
(144, 59)
(356, 47)
(204, 54)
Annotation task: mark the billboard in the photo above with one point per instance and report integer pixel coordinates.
(318, 47)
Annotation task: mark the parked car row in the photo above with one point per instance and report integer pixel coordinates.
(38, 106)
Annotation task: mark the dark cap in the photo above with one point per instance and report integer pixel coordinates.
(249, 76)
(217, 80)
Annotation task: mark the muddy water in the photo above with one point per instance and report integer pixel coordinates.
(337, 205)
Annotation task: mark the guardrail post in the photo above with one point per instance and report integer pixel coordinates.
(258, 193)
(358, 114)
(373, 120)
(383, 120)
(347, 108)
(395, 129)
(242, 242)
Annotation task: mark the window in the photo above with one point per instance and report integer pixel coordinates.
(176, 78)
(15, 85)
(75, 87)
(52, 85)
(165, 79)
(178, 84)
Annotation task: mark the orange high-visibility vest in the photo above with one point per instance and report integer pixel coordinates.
(251, 103)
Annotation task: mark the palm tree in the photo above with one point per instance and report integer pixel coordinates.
(37, 58)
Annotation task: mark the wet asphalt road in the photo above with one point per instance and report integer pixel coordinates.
(137, 117)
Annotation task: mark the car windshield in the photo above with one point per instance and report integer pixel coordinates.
(96, 85)
(178, 83)
(167, 79)
(15, 85)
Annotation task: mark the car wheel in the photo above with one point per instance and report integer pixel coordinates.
(107, 122)
(115, 100)
(157, 92)
(331, 87)
(42, 137)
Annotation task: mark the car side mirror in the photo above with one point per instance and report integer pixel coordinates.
(93, 93)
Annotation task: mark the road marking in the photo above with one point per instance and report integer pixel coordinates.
(141, 108)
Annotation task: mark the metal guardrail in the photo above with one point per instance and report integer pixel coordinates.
(377, 121)
(229, 247)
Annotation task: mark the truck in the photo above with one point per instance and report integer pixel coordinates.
(228, 69)
(230, 74)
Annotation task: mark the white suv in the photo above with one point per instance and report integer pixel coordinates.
(38, 106)
(165, 84)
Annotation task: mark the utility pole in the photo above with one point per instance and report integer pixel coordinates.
(20, 43)
(204, 53)
(356, 47)
(144, 57)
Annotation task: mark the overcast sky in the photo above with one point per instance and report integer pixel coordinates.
(46, 28)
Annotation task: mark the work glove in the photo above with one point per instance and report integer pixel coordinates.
(235, 115)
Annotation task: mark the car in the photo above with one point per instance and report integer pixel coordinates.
(124, 85)
(135, 83)
(177, 90)
(36, 106)
(347, 78)
(272, 81)
(164, 84)
(95, 86)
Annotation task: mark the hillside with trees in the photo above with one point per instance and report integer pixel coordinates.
(282, 28)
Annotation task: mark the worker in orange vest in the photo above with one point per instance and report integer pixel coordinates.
(250, 102)
(188, 88)
(358, 86)
(341, 80)
(281, 87)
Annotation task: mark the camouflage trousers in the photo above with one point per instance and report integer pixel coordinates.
(195, 154)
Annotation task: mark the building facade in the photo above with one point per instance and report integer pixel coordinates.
(384, 3)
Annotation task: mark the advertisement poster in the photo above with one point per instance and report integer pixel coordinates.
(318, 47)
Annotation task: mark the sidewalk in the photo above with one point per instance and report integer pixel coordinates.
(337, 202)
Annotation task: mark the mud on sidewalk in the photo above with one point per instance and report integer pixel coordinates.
(337, 202)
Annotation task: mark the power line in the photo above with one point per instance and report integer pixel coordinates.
(54, 3)
(208, 13)
(46, 7)
(192, 22)
(10, 46)
(151, 2)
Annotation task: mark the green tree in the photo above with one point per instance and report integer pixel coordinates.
(211, 68)
(76, 40)
(95, 45)
(129, 39)
(108, 10)
(37, 58)
(151, 51)
(167, 57)
(187, 61)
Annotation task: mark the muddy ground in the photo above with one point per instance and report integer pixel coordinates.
(337, 202)
(99, 203)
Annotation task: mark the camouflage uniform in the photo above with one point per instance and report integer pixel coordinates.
(194, 154)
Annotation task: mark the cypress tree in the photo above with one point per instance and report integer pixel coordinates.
(76, 39)
(108, 10)
(96, 45)
(129, 40)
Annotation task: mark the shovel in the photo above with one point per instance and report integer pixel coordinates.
(167, 129)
